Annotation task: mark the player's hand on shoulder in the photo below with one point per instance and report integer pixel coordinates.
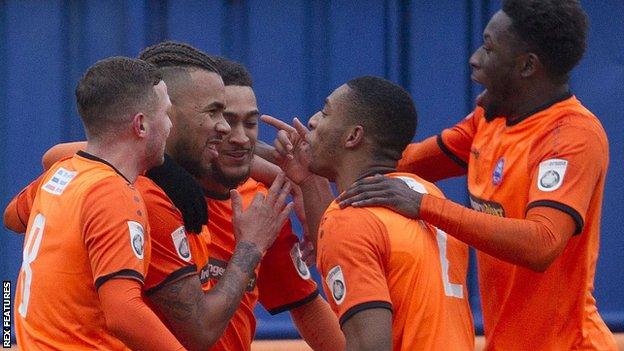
(261, 222)
(379, 190)
(292, 150)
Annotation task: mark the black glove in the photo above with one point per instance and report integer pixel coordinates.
(184, 191)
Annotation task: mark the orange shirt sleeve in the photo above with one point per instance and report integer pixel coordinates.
(353, 251)
(18, 210)
(61, 151)
(566, 166)
(456, 141)
(171, 257)
(132, 320)
(283, 266)
(115, 231)
(429, 161)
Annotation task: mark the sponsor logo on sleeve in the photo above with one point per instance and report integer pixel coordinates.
(297, 259)
(137, 238)
(59, 181)
(551, 173)
(336, 283)
(180, 242)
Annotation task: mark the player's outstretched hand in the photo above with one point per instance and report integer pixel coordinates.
(262, 220)
(292, 150)
(379, 190)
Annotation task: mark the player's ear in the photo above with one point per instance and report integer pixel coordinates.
(355, 136)
(530, 65)
(139, 125)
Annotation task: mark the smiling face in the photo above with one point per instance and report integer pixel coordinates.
(327, 129)
(495, 63)
(233, 165)
(198, 123)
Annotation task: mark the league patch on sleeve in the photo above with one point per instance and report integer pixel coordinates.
(551, 173)
(59, 181)
(137, 238)
(336, 283)
(414, 185)
(300, 266)
(180, 242)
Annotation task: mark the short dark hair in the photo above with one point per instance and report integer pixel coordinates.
(387, 111)
(555, 29)
(174, 54)
(232, 72)
(115, 88)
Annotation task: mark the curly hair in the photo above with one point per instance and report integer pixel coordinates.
(555, 29)
(232, 72)
(174, 54)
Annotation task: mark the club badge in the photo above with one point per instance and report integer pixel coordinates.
(497, 174)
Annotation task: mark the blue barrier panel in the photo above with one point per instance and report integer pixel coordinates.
(298, 52)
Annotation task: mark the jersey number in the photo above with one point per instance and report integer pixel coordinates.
(450, 289)
(30, 253)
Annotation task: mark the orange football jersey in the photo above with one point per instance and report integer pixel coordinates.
(87, 225)
(282, 279)
(375, 258)
(557, 157)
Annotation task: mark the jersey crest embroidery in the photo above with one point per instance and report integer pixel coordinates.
(551, 173)
(180, 242)
(137, 238)
(300, 266)
(59, 181)
(336, 283)
(497, 174)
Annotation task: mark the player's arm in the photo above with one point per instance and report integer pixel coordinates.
(265, 151)
(534, 242)
(60, 151)
(369, 330)
(443, 156)
(431, 160)
(318, 325)
(18, 210)
(131, 320)
(285, 284)
(198, 318)
(353, 253)
(113, 233)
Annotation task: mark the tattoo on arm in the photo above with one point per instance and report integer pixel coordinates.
(179, 300)
(246, 257)
(240, 269)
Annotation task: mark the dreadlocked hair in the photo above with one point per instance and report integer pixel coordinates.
(173, 54)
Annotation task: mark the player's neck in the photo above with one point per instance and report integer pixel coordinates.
(126, 162)
(535, 97)
(361, 167)
(212, 187)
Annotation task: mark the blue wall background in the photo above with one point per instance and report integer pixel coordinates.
(298, 51)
